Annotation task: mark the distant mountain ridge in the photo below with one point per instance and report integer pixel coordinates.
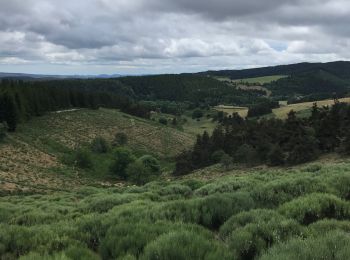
(27, 76)
(338, 68)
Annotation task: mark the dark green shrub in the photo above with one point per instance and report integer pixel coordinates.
(197, 114)
(211, 211)
(283, 190)
(244, 218)
(226, 161)
(2, 133)
(34, 218)
(89, 230)
(80, 253)
(106, 202)
(176, 189)
(246, 154)
(99, 145)
(138, 173)
(122, 158)
(72, 253)
(151, 163)
(227, 186)
(83, 159)
(276, 156)
(339, 184)
(131, 237)
(316, 206)
(250, 233)
(217, 156)
(184, 245)
(334, 245)
(327, 225)
(143, 170)
(163, 121)
(216, 209)
(120, 139)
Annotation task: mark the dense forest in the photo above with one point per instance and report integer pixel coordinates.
(22, 100)
(271, 141)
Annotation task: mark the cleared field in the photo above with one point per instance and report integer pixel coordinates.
(29, 158)
(284, 110)
(242, 111)
(261, 80)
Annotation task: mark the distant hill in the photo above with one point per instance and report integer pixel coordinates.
(303, 81)
(338, 68)
(25, 76)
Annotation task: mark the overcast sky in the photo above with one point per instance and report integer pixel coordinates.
(168, 36)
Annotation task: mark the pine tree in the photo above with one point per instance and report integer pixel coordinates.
(11, 113)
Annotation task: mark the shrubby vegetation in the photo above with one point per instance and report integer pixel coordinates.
(268, 213)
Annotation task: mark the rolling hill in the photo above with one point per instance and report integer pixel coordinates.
(31, 158)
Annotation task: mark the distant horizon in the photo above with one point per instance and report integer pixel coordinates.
(143, 74)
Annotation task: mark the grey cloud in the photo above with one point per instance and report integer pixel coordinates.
(172, 34)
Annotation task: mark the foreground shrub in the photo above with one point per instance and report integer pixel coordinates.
(176, 189)
(72, 253)
(104, 203)
(248, 217)
(327, 225)
(248, 234)
(280, 191)
(316, 206)
(184, 245)
(211, 211)
(126, 238)
(334, 245)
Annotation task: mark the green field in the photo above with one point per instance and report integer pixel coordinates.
(285, 109)
(242, 111)
(260, 80)
(260, 213)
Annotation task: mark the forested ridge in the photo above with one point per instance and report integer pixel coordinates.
(20, 100)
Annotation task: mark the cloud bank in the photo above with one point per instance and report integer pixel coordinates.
(158, 36)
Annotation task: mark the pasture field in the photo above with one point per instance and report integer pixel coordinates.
(283, 111)
(260, 80)
(242, 111)
(260, 213)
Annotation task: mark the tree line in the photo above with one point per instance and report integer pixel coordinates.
(20, 100)
(271, 141)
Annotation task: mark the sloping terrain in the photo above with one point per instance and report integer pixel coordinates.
(244, 214)
(29, 158)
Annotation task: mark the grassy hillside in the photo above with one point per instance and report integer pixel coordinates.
(260, 80)
(284, 110)
(30, 158)
(244, 214)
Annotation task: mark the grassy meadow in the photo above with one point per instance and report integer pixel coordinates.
(242, 111)
(283, 111)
